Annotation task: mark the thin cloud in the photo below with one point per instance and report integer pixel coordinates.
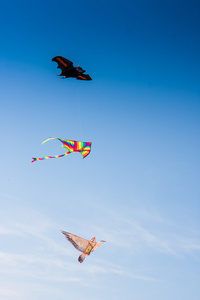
(135, 234)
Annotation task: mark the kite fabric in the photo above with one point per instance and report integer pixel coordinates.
(72, 146)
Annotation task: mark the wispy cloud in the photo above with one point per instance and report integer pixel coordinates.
(189, 245)
(50, 259)
(7, 293)
(144, 231)
(9, 231)
(41, 256)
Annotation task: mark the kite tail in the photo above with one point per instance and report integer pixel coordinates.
(50, 139)
(82, 257)
(47, 157)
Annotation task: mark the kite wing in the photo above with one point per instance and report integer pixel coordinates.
(79, 243)
(63, 63)
(97, 245)
(74, 146)
(85, 153)
(84, 77)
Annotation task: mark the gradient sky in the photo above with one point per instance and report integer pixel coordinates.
(139, 188)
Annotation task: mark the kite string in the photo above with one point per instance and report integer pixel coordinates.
(79, 110)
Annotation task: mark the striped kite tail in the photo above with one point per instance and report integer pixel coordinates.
(47, 157)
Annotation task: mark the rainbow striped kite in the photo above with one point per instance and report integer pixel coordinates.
(72, 146)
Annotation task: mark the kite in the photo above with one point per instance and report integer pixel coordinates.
(82, 245)
(72, 146)
(68, 70)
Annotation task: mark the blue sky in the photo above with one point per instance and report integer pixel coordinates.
(139, 187)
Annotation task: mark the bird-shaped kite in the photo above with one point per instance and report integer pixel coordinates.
(73, 146)
(82, 245)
